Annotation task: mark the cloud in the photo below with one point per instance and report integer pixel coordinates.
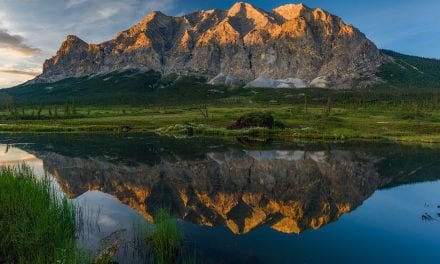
(16, 44)
(73, 3)
(19, 72)
(163, 5)
(107, 12)
(10, 80)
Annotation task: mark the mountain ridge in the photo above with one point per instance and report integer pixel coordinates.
(292, 43)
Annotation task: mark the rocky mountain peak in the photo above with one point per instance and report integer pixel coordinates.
(292, 11)
(291, 45)
(72, 45)
(246, 17)
(153, 16)
(73, 42)
(72, 38)
(243, 9)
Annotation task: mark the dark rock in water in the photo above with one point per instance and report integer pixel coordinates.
(125, 129)
(254, 120)
(109, 246)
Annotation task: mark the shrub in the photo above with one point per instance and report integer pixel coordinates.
(254, 120)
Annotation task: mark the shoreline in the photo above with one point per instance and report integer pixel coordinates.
(257, 134)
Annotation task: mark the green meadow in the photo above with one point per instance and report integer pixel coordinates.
(416, 119)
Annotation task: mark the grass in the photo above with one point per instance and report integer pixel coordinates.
(36, 225)
(374, 121)
(165, 238)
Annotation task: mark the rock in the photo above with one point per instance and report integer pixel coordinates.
(262, 82)
(224, 79)
(242, 44)
(109, 246)
(319, 82)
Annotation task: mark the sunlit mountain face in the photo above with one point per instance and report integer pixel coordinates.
(292, 46)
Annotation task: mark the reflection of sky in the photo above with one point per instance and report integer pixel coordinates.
(399, 210)
(10, 155)
(105, 215)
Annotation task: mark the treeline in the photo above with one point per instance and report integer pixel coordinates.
(38, 111)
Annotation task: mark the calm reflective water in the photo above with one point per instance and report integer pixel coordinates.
(241, 201)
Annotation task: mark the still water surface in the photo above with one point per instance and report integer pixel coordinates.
(240, 201)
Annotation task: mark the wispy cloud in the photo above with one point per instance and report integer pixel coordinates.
(164, 5)
(19, 72)
(73, 3)
(16, 43)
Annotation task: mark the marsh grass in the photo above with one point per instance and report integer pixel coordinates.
(164, 239)
(36, 224)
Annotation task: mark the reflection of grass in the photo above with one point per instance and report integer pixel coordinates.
(36, 226)
(164, 238)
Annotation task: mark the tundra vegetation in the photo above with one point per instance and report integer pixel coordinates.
(393, 114)
(404, 108)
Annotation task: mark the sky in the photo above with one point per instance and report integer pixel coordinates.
(32, 30)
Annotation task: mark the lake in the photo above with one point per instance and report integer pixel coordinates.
(247, 201)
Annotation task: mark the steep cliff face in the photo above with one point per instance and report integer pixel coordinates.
(293, 46)
(288, 190)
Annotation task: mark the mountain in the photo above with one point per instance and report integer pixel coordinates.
(409, 71)
(403, 76)
(291, 46)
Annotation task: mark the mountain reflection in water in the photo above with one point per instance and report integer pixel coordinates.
(241, 187)
(264, 191)
(289, 190)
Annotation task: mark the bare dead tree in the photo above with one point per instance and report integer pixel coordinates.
(204, 111)
(328, 108)
(305, 103)
(9, 104)
(39, 110)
